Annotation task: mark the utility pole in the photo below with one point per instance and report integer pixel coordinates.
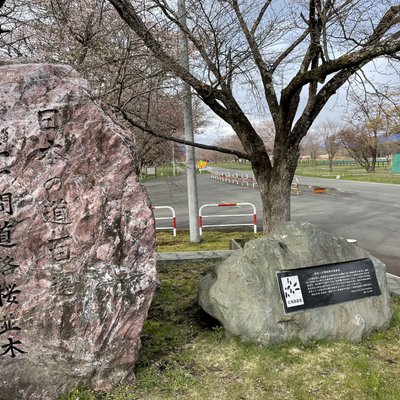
(173, 159)
(188, 126)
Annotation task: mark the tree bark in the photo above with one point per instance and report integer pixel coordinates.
(275, 185)
(330, 163)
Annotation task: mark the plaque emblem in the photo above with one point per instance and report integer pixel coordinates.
(292, 291)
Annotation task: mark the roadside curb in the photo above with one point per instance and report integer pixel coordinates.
(194, 256)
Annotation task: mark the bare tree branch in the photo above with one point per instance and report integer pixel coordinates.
(262, 66)
(289, 50)
(355, 59)
(260, 16)
(152, 132)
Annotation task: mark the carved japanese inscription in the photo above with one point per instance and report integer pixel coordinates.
(77, 261)
(9, 292)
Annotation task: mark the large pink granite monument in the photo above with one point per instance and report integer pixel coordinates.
(77, 238)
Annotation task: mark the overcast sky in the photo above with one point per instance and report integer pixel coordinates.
(378, 72)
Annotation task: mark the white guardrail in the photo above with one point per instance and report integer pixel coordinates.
(202, 216)
(245, 179)
(172, 218)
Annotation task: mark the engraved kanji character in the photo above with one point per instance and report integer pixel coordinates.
(11, 348)
(48, 119)
(56, 212)
(51, 153)
(6, 203)
(59, 247)
(63, 283)
(53, 184)
(7, 324)
(7, 265)
(60, 251)
(9, 292)
(5, 234)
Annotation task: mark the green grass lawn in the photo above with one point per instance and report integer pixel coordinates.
(232, 165)
(185, 357)
(346, 172)
(210, 240)
(353, 173)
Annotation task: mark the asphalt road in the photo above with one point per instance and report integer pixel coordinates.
(367, 212)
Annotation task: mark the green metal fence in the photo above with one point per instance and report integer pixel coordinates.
(380, 162)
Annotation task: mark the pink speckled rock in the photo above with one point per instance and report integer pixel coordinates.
(77, 238)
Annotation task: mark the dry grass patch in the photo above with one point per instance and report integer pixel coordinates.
(210, 240)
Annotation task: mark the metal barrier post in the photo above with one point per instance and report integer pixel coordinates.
(201, 216)
(173, 219)
(245, 178)
(296, 186)
(235, 178)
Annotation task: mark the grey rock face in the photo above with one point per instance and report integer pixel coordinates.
(243, 293)
(77, 238)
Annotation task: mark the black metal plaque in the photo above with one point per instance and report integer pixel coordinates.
(328, 284)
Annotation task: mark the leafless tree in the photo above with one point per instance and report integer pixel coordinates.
(88, 35)
(311, 146)
(389, 147)
(14, 19)
(373, 116)
(361, 147)
(230, 142)
(316, 45)
(329, 133)
(265, 130)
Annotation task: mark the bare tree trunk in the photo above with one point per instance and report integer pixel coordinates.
(373, 163)
(275, 188)
(330, 163)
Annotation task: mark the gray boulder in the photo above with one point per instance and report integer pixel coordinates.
(243, 292)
